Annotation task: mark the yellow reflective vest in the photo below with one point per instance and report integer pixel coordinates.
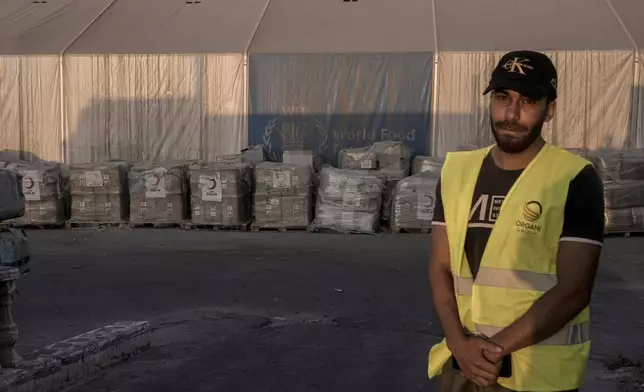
(518, 266)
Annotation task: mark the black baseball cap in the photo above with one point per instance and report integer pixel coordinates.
(531, 74)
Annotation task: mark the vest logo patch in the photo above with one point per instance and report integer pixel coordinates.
(532, 211)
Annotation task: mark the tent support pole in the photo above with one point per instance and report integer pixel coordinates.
(246, 115)
(64, 129)
(636, 94)
(247, 104)
(63, 113)
(433, 150)
(635, 123)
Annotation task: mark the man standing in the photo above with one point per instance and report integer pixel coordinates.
(516, 240)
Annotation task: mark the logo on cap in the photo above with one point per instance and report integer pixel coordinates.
(517, 65)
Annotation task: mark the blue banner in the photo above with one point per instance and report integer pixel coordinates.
(326, 103)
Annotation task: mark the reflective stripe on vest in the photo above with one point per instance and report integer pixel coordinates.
(511, 279)
(522, 280)
(570, 334)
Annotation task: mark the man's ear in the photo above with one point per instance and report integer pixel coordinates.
(550, 110)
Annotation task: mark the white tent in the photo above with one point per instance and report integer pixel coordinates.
(160, 79)
(91, 80)
(588, 44)
(630, 15)
(33, 35)
(328, 75)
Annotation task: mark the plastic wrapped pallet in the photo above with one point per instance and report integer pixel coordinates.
(623, 194)
(349, 201)
(220, 194)
(607, 163)
(283, 195)
(251, 155)
(394, 162)
(632, 166)
(622, 172)
(582, 152)
(391, 179)
(45, 190)
(229, 158)
(309, 159)
(393, 156)
(254, 154)
(159, 193)
(619, 165)
(430, 164)
(388, 155)
(625, 219)
(12, 200)
(358, 158)
(100, 192)
(413, 202)
(303, 158)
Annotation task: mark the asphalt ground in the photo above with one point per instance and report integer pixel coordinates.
(272, 311)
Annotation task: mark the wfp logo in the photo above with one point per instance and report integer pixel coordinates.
(532, 211)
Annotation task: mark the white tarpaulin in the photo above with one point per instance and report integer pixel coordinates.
(154, 107)
(331, 75)
(638, 110)
(169, 83)
(154, 79)
(630, 13)
(593, 104)
(32, 36)
(594, 65)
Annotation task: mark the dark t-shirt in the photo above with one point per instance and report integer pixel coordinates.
(583, 213)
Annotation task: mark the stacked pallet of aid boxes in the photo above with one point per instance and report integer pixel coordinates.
(390, 159)
(623, 175)
(414, 197)
(99, 193)
(283, 196)
(349, 201)
(220, 194)
(45, 186)
(159, 193)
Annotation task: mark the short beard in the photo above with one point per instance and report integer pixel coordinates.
(520, 144)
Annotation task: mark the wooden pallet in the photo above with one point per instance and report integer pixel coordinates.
(282, 229)
(139, 225)
(626, 234)
(33, 226)
(327, 230)
(403, 230)
(213, 227)
(95, 225)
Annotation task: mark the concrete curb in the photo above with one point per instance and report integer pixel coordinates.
(48, 369)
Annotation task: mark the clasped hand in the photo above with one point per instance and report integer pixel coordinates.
(479, 360)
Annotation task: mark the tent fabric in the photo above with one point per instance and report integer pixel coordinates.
(630, 12)
(160, 79)
(154, 107)
(30, 107)
(549, 25)
(28, 27)
(172, 26)
(593, 105)
(32, 37)
(326, 103)
(638, 110)
(374, 26)
(155, 79)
